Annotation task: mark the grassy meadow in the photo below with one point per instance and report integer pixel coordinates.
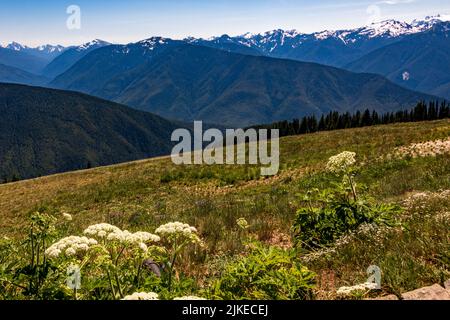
(145, 194)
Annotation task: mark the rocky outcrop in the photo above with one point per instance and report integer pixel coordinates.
(434, 292)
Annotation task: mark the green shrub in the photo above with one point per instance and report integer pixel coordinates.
(267, 273)
(333, 212)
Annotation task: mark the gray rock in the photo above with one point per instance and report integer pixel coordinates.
(434, 292)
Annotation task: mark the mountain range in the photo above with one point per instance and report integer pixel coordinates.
(70, 56)
(22, 60)
(47, 52)
(229, 81)
(10, 74)
(352, 49)
(336, 48)
(45, 131)
(190, 82)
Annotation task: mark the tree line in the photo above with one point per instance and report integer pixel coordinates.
(334, 120)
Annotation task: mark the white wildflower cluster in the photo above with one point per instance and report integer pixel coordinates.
(138, 238)
(341, 162)
(67, 216)
(178, 229)
(425, 149)
(112, 233)
(319, 254)
(142, 296)
(189, 298)
(442, 217)
(419, 200)
(70, 246)
(101, 230)
(132, 238)
(347, 291)
(376, 234)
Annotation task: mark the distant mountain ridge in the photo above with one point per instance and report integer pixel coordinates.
(335, 48)
(191, 82)
(14, 75)
(22, 60)
(70, 56)
(47, 52)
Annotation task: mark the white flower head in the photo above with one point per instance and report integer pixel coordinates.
(143, 247)
(70, 246)
(67, 216)
(341, 162)
(346, 291)
(189, 298)
(171, 229)
(142, 296)
(101, 230)
(126, 237)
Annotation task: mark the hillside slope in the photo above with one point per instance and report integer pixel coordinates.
(143, 195)
(420, 62)
(157, 186)
(44, 131)
(22, 60)
(69, 57)
(15, 75)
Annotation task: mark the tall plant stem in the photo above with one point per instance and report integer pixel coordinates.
(172, 262)
(352, 185)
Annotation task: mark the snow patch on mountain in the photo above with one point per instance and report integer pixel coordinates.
(48, 48)
(152, 43)
(97, 43)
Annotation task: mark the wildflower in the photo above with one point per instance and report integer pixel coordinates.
(179, 229)
(242, 223)
(143, 247)
(142, 296)
(425, 149)
(101, 230)
(71, 246)
(341, 162)
(127, 237)
(67, 216)
(175, 227)
(145, 237)
(71, 252)
(189, 298)
(346, 291)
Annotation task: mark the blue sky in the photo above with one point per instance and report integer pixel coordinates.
(39, 22)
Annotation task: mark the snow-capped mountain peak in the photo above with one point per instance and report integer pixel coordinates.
(94, 43)
(50, 48)
(390, 28)
(387, 28)
(153, 42)
(324, 34)
(429, 22)
(43, 50)
(16, 46)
